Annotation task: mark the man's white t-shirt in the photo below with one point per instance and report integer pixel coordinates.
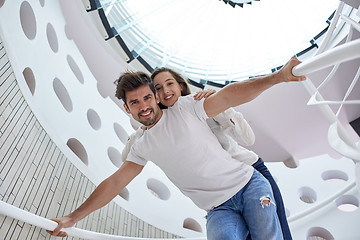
(183, 146)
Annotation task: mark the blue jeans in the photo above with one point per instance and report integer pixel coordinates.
(280, 209)
(252, 210)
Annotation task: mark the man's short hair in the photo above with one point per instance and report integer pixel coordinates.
(129, 81)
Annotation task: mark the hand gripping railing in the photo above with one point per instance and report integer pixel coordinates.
(338, 138)
(22, 215)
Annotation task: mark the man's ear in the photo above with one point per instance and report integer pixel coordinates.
(127, 109)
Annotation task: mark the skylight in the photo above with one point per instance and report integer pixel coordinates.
(208, 40)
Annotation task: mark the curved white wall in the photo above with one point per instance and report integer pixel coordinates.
(37, 177)
(90, 130)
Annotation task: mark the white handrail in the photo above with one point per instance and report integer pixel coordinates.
(336, 140)
(22, 215)
(339, 140)
(350, 21)
(345, 52)
(335, 68)
(346, 140)
(331, 29)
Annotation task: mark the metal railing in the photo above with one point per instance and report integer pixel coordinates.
(338, 138)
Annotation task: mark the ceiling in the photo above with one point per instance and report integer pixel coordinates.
(211, 41)
(286, 128)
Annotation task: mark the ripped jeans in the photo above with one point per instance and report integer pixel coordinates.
(251, 209)
(280, 208)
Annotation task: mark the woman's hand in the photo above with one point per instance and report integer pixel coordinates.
(204, 94)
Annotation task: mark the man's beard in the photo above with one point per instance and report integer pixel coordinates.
(148, 122)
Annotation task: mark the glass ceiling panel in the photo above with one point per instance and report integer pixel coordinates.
(211, 39)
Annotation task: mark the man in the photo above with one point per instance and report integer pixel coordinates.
(237, 198)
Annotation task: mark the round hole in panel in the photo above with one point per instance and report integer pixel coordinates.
(307, 195)
(62, 94)
(125, 194)
(115, 156)
(347, 203)
(30, 79)
(121, 133)
(52, 38)
(27, 20)
(334, 176)
(192, 224)
(75, 69)
(319, 233)
(158, 189)
(79, 150)
(94, 119)
(42, 2)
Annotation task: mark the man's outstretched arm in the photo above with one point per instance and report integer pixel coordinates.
(242, 92)
(102, 195)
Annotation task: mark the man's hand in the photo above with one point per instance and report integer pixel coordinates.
(102, 195)
(285, 73)
(63, 222)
